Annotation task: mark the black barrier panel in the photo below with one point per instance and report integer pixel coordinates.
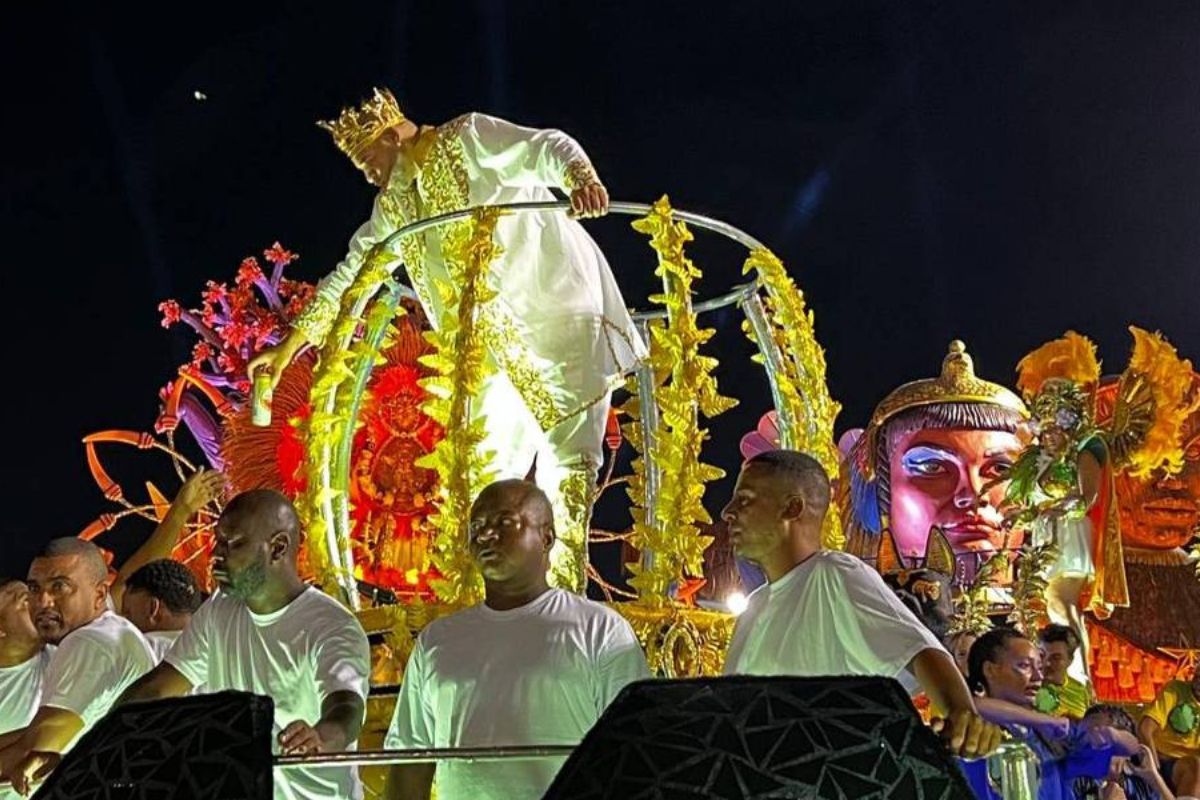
(760, 738)
(208, 747)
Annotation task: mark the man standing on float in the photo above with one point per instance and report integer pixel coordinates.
(558, 333)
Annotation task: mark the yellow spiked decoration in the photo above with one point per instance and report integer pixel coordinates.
(802, 379)
(325, 428)
(670, 529)
(460, 360)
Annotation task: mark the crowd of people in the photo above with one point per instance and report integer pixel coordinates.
(530, 665)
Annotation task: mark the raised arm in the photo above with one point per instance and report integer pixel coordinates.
(197, 491)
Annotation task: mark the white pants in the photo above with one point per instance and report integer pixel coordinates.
(513, 438)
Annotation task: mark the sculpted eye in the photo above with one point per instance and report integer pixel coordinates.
(925, 468)
(997, 469)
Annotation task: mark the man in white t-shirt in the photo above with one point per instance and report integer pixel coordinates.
(823, 612)
(99, 654)
(531, 665)
(160, 599)
(266, 632)
(23, 660)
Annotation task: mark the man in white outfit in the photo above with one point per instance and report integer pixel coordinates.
(558, 333)
(266, 632)
(23, 661)
(530, 665)
(99, 654)
(824, 612)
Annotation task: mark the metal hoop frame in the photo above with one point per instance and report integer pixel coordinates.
(335, 466)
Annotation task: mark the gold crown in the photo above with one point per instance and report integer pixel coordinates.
(956, 384)
(356, 128)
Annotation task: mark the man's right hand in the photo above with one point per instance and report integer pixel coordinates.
(204, 486)
(275, 359)
(968, 735)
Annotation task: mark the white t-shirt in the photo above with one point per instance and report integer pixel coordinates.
(160, 643)
(297, 656)
(831, 615)
(20, 696)
(21, 690)
(93, 665)
(539, 674)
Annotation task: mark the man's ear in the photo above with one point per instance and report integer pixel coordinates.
(156, 609)
(793, 507)
(280, 542)
(102, 592)
(548, 537)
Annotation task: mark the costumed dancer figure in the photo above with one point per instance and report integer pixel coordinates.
(931, 448)
(558, 333)
(1062, 486)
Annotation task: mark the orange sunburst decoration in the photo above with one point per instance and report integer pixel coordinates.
(390, 496)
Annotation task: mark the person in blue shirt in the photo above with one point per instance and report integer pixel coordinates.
(1006, 669)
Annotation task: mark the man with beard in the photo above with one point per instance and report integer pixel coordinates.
(266, 632)
(23, 661)
(530, 665)
(823, 612)
(99, 654)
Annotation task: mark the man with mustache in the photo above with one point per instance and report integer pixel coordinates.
(530, 665)
(23, 661)
(823, 612)
(99, 654)
(266, 632)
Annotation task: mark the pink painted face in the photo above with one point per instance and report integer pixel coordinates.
(937, 477)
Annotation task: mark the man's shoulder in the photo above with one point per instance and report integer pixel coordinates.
(322, 611)
(110, 638)
(460, 123)
(838, 561)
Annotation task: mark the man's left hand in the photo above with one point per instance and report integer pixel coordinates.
(969, 735)
(300, 739)
(589, 201)
(34, 769)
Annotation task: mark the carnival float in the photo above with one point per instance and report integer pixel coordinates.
(961, 492)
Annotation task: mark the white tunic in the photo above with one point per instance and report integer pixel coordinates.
(831, 615)
(557, 295)
(297, 656)
(539, 674)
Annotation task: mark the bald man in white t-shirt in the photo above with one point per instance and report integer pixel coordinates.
(826, 613)
(266, 632)
(530, 665)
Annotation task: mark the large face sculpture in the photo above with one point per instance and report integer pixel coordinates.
(1162, 512)
(936, 455)
(955, 480)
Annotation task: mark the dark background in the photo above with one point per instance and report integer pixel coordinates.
(998, 172)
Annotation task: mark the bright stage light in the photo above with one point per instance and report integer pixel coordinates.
(736, 602)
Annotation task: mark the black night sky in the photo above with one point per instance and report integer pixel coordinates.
(996, 172)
